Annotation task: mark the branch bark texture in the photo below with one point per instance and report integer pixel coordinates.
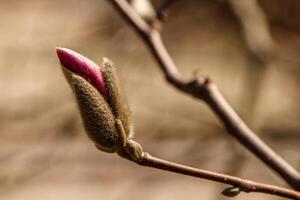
(244, 185)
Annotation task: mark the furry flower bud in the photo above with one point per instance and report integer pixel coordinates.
(98, 96)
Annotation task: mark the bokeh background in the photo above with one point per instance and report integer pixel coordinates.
(250, 48)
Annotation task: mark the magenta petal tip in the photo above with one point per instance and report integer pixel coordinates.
(83, 67)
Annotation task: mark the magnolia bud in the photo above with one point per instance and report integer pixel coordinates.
(98, 96)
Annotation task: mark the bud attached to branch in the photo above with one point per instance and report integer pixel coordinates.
(231, 191)
(102, 107)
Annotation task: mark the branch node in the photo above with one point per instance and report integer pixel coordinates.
(198, 87)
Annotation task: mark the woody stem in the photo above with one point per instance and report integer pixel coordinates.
(245, 185)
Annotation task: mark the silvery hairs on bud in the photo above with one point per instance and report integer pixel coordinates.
(97, 117)
(98, 95)
(117, 101)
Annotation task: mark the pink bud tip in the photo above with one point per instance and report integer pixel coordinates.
(83, 67)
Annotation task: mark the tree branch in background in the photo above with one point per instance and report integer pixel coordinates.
(252, 18)
(261, 52)
(207, 91)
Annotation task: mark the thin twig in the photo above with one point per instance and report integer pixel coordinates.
(244, 185)
(205, 90)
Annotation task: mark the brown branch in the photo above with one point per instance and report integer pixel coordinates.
(243, 185)
(207, 91)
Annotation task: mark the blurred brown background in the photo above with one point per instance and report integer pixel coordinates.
(250, 49)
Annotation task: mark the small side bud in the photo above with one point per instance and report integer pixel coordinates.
(135, 150)
(231, 191)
